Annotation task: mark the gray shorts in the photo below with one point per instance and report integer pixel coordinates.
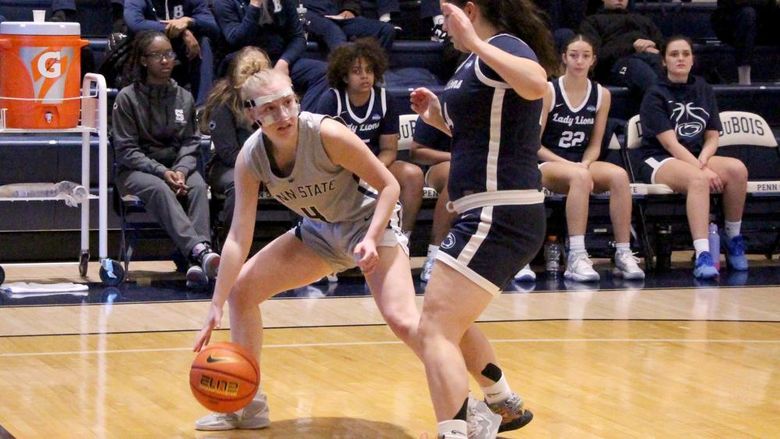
(335, 242)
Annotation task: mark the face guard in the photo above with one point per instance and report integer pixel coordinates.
(271, 109)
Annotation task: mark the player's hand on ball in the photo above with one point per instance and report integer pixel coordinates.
(213, 321)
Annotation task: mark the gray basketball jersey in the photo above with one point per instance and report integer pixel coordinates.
(316, 188)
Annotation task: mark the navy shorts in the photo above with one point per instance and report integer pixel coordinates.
(647, 163)
(490, 244)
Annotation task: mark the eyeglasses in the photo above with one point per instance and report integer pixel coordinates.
(158, 56)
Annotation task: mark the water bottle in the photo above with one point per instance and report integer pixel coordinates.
(663, 248)
(301, 10)
(552, 255)
(714, 239)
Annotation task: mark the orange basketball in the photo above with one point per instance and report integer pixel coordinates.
(224, 377)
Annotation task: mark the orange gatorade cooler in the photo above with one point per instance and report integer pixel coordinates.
(40, 74)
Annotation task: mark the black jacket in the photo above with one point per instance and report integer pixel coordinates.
(154, 129)
(615, 31)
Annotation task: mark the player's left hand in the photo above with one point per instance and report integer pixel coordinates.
(366, 255)
(459, 27)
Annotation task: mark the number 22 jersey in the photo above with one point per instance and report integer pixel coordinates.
(568, 129)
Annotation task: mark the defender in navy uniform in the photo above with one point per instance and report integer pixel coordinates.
(355, 97)
(575, 116)
(680, 130)
(491, 107)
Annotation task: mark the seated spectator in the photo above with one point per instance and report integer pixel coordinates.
(192, 31)
(223, 118)
(65, 10)
(745, 23)
(337, 21)
(628, 46)
(576, 110)
(429, 13)
(274, 26)
(353, 72)
(680, 129)
(156, 143)
(431, 147)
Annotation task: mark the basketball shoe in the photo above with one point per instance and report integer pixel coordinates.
(579, 267)
(513, 415)
(626, 265)
(705, 267)
(525, 274)
(735, 253)
(482, 422)
(252, 417)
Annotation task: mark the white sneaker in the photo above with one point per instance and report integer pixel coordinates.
(579, 268)
(482, 422)
(626, 265)
(525, 274)
(425, 274)
(252, 417)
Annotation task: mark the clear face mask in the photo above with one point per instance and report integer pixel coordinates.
(271, 109)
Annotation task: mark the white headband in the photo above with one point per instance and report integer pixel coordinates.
(257, 102)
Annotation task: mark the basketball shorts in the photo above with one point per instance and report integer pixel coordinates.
(335, 242)
(647, 163)
(490, 244)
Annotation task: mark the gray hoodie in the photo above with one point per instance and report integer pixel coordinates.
(154, 129)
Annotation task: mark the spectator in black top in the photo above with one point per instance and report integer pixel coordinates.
(337, 21)
(156, 142)
(745, 23)
(223, 118)
(628, 46)
(192, 30)
(274, 26)
(680, 130)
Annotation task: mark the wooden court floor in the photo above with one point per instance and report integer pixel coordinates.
(693, 363)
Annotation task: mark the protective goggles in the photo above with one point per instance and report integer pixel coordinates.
(270, 109)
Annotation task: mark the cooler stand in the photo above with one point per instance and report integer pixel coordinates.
(94, 120)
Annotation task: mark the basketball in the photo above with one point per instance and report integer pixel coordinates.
(224, 377)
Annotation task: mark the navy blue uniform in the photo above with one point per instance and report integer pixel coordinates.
(494, 181)
(689, 109)
(568, 129)
(369, 121)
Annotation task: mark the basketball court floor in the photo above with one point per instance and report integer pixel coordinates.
(659, 359)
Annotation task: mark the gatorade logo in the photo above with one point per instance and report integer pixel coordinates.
(49, 65)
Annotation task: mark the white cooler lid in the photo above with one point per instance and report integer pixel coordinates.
(44, 28)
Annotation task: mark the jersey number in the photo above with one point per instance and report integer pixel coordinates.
(313, 213)
(571, 139)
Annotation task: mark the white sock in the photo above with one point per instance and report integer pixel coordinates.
(385, 17)
(577, 243)
(432, 250)
(744, 75)
(701, 245)
(438, 19)
(446, 429)
(733, 228)
(622, 246)
(497, 392)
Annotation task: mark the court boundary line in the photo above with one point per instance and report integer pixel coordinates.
(364, 325)
(398, 342)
